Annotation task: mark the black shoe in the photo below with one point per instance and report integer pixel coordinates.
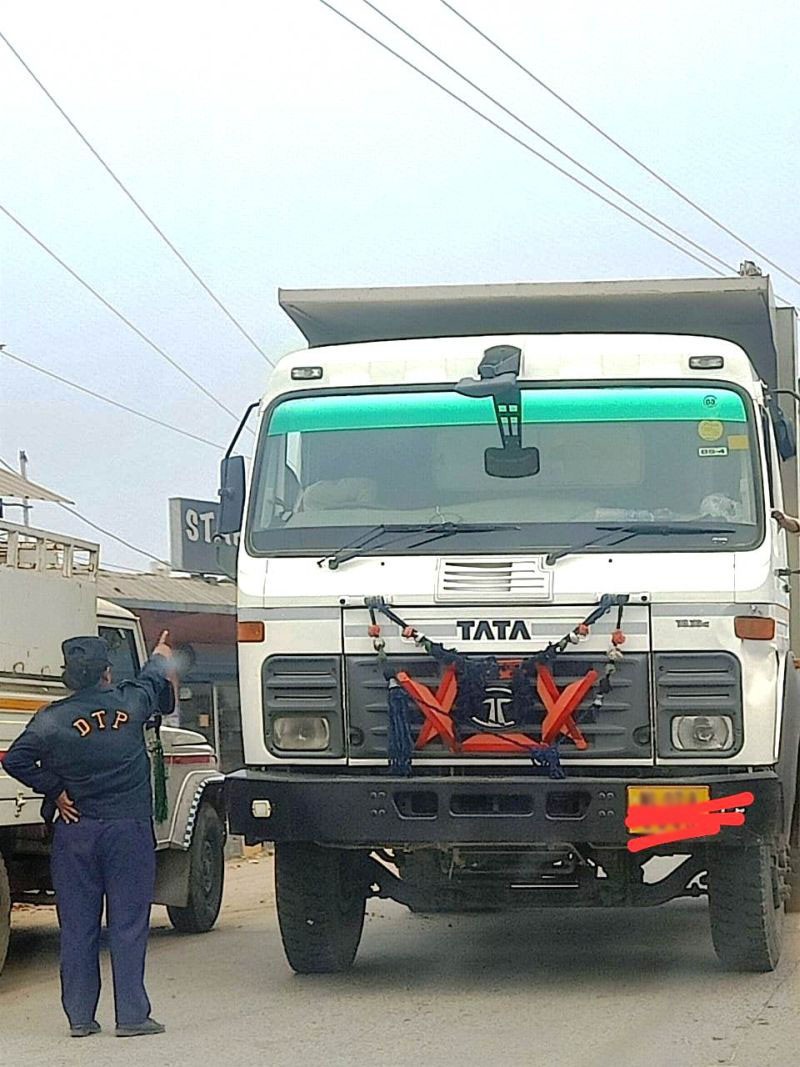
(85, 1031)
(149, 1026)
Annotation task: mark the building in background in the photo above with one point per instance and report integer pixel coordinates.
(201, 612)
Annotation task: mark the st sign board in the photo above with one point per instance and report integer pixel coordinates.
(191, 536)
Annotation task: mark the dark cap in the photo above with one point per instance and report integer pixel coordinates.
(86, 651)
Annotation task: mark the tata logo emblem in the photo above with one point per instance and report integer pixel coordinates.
(493, 630)
(495, 706)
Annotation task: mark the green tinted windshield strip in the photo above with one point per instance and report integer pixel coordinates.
(369, 411)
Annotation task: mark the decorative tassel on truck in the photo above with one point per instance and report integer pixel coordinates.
(463, 684)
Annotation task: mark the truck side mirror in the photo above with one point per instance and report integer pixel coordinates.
(785, 434)
(231, 495)
(226, 555)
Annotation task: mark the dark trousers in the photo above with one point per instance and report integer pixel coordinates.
(93, 861)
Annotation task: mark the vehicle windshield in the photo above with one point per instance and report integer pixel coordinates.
(329, 467)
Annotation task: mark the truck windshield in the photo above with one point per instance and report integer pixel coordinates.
(331, 466)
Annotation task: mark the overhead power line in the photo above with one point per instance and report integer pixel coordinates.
(145, 214)
(114, 537)
(518, 140)
(115, 311)
(101, 529)
(108, 400)
(551, 144)
(621, 147)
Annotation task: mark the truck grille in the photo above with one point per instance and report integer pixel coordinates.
(493, 579)
(301, 683)
(621, 729)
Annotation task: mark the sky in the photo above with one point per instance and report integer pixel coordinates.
(277, 146)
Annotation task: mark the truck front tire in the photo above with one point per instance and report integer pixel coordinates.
(5, 912)
(321, 899)
(206, 875)
(746, 894)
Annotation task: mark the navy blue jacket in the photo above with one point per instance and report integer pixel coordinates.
(92, 745)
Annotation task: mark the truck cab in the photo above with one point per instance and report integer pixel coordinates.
(515, 616)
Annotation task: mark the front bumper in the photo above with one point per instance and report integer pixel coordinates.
(376, 810)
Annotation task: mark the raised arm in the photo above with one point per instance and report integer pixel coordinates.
(152, 691)
(787, 522)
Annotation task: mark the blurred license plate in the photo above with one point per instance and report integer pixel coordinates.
(663, 795)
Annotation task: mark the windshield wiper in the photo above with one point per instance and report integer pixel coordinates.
(374, 537)
(629, 530)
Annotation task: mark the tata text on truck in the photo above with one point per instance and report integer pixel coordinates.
(48, 593)
(514, 614)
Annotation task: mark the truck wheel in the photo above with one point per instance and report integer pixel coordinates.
(206, 875)
(321, 899)
(746, 905)
(5, 912)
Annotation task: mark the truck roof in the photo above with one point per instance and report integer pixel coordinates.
(111, 610)
(738, 309)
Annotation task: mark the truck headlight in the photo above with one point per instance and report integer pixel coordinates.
(702, 733)
(296, 733)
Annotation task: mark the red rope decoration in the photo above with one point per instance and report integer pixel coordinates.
(560, 707)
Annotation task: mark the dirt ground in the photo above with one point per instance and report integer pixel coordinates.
(582, 988)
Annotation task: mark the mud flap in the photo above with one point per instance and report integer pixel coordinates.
(172, 877)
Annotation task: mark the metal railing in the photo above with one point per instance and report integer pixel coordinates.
(29, 549)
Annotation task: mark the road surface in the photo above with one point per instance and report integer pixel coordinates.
(558, 988)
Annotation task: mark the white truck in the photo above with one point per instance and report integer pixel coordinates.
(48, 592)
(515, 617)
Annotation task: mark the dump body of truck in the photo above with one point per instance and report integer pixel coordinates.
(48, 592)
(515, 616)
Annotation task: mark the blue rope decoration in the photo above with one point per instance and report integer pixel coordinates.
(473, 677)
(401, 743)
(547, 759)
(522, 692)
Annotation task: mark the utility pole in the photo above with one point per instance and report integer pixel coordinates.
(23, 470)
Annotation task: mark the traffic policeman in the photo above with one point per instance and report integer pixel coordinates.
(86, 754)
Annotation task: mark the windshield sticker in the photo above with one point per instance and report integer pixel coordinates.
(738, 442)
(721, 450)
(710, 430)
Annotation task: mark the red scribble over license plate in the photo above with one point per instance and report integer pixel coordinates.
(663, 815)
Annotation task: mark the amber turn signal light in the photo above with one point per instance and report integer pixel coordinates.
(754, 627)
(250, 631)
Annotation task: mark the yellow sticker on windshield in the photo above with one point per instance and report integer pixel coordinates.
(738, 442)
(710, 430)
